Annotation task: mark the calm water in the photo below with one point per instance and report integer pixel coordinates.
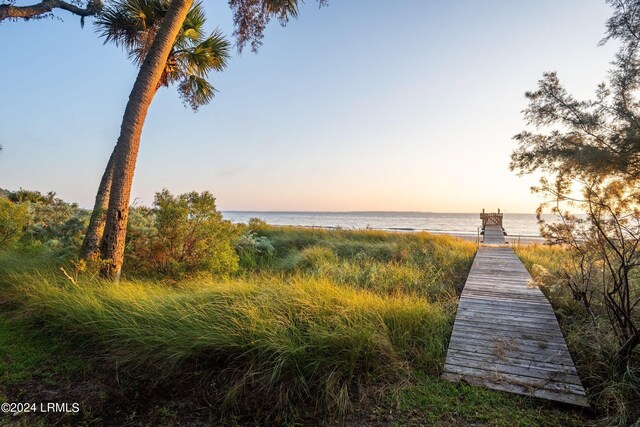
(450, 223)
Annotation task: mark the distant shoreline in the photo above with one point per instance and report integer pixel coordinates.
(471, 237)
(522, 227)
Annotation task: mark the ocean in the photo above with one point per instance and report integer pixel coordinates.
(462, 224)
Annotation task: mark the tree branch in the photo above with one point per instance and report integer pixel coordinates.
(9, 11)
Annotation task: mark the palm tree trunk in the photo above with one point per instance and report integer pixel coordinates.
(126, 151)
(92, 243)
(93, 239)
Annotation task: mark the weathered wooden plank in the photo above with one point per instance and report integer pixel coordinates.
(528, 306)
(504, 367)
(498, 311)
(572, 399)
(535, 343)
(520, 328)
(559, 358)
(512, 350)
(532, 343)
(507, 320)
(541, 364)
(504, 300)
(541, 383)
(506, 336)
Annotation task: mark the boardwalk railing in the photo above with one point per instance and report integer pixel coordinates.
(492, 218)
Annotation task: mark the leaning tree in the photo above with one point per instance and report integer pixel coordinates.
(250, 19)
(133, 24)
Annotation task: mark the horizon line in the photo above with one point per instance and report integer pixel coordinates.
(364, 211)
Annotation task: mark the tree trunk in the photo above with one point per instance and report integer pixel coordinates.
(126, 151)
(92, 243)
(93, 239)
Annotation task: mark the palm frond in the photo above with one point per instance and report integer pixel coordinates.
(196, 91)
(192, 28)
(211, 54)
(133, 25)
(115, 26)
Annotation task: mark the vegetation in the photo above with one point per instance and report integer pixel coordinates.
(311, 324)
(289, 322)
(33, 219)
(39, 366)
(286, 326)
(591, 150)
(292, 341)
(180, 235)
(425, 265)
(436, 402)
(13, 221)
(593, 343)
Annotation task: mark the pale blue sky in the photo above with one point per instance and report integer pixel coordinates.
(362, 105)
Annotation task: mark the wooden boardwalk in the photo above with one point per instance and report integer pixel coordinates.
(493, 235)
(506, 336)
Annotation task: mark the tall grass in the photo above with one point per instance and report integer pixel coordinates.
(289, 341)
(430, 266)
(324, 313)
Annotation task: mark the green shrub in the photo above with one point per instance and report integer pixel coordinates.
(254, 250)
(257, 224)
(181, 234)
(13, 222)
(53, 222)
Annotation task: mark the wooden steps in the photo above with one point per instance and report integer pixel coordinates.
(506, 336)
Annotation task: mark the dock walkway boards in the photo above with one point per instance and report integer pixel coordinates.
(506, 336)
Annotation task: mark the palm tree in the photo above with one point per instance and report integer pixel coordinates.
(250, 19)
(133, 25)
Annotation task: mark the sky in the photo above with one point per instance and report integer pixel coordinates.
(361, 105)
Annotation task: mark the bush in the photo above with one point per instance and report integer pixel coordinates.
(13, 222)
(256, 224)
(181, 234)
(254, 250)
(53, 222)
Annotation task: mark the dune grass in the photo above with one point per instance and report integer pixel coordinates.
(287, 340)
(421, 264)
(327, 313)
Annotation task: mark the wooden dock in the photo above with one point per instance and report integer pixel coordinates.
(493, 235)
(506, 336)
